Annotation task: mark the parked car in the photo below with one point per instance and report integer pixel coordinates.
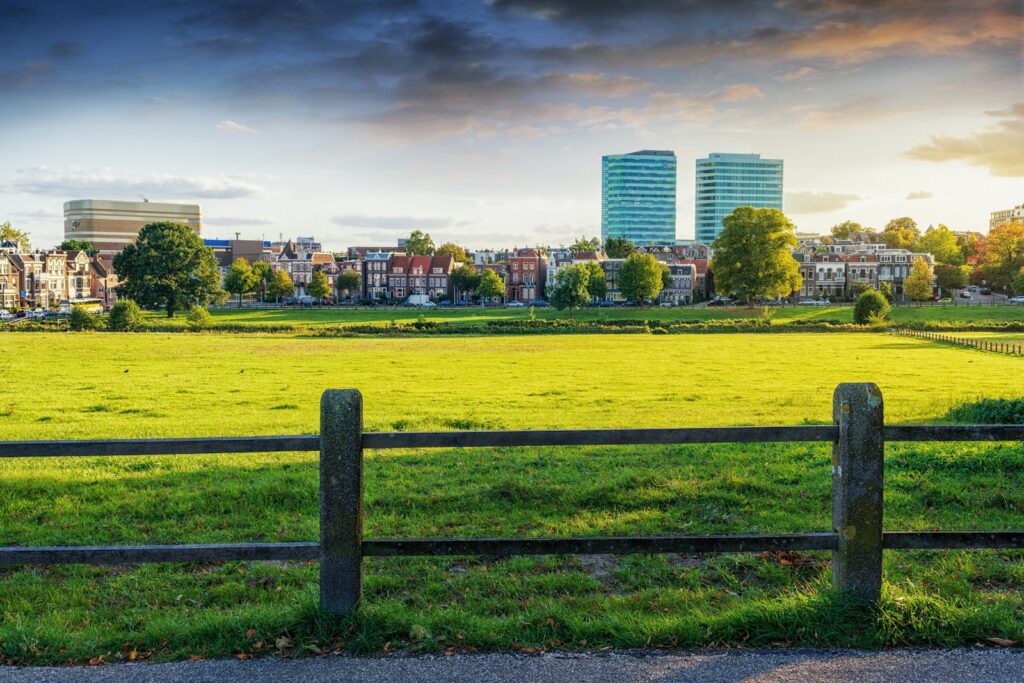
(772, 302)
(540, 303)
(812, 302)
(515, 304)
(985, 291)
(667, 304)
(5, 314)
(607, 303)
(428, 304)
(965, 294)
(36, 314)
(722, 301)
(1016, 300)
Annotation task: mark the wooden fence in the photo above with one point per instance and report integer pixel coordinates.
(858, 436)
(971, 342)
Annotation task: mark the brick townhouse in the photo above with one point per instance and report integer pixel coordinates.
(527, 276)
(42, 277)
(9, 282)
(832, 273)
(78, 274)
(374, 274)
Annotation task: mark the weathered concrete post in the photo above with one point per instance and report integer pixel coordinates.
(341, 500)
(857, 475)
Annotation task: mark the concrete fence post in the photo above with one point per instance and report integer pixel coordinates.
(857, 485)
(341, 500)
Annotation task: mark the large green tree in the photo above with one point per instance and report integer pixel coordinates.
(79, 245)
(280, 285)
(8, 233)
(454, 250)
(900, 233)
(348, 282)
(419, 244)
(949, 277)
(1018, 283)
(918, 285)
(240, 280)
(618, 247)
(847, 230)
(752, 255)
(639, 277)
(465, 279)
(585, 245)
(262, 271)
(597, 285)
(1001, 254)
(491, 285)
(168, 267)
(319, 286)
(941, 243)
(570, 290)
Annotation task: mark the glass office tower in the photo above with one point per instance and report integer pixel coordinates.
(638, 197)
(726, 181)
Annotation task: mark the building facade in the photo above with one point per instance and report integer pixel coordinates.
(111, 225)
(527, 276)
(998, 218)
(728, 181)
(638, 197)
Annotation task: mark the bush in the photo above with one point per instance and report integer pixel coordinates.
(870, 305)
(1008, 411)
(126, 316)
(199, 318)
(80, 321)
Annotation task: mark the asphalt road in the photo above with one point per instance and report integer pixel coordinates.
(981, 665)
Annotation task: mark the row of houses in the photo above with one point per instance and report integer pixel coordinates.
(44, 278)
(831, 270)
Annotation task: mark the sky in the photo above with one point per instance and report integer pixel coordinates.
(484, 122)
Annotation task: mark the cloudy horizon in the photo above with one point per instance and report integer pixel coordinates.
(484, 122)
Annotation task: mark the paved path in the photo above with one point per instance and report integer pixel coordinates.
(707, 666)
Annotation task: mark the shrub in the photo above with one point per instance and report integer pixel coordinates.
(80, 321)
(989, 411)
(199, 318)
(126, 316)
(868, 303)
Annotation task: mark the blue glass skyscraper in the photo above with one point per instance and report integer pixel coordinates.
(638, 196)
(726, 181)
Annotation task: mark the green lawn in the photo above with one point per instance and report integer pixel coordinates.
(317, 317)
(110, 385)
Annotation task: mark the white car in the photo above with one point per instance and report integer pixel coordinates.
(515, 304)
(812, 302)
(667, 304)
(1016, 299)
(5, 314)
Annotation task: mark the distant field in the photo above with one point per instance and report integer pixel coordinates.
(110, 385)
(314, 317)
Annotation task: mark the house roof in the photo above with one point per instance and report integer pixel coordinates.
(446, 263)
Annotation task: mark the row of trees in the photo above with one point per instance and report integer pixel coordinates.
(640, 278)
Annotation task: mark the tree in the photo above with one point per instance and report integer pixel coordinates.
(1001, 254)
(666, 276)
(639, 277)
(941, 243)
(585, 245)
(949, 277)
(870, 304)
(262, 271)
(419, 244)
(79, 245)
(856, 289)
(319, 286)
(459, 254)
(465, 279)
(618, 247)
(752, 255)
(491, 285)
(240, 279)
(199, 318)
(1018, 283)
(348, 282)
(9, 233)
(570, 291)
(847, 230)
(900, 233)
(597, 285)
(125, 316)
(968, 243)
(80, 321)
(168, 267)
(280, 285)
(918, 285)
(885, 289)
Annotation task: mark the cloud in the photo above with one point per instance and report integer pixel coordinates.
(810, 201)
(997, 147)
(801, 74)
(229, 221)
(229, 126)
(920, 194)
(736, 93)
(106, 183)
(397, 223)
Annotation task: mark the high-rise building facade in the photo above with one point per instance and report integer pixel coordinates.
(638, 197)
(112, 225)
(726, 181)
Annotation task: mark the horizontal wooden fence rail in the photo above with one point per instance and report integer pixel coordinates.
(979, 343)
(856, 540)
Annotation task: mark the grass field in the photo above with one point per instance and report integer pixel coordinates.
(108, 385)
(317, 317)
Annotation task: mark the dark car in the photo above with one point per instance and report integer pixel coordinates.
(540, 303)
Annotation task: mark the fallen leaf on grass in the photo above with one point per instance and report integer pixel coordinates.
(1002, 642)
